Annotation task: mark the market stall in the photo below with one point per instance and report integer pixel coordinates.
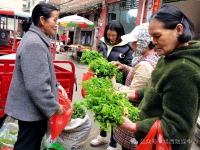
(76, 21)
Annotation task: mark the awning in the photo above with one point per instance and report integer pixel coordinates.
(11, 13)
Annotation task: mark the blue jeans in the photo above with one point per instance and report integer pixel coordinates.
(112, 143)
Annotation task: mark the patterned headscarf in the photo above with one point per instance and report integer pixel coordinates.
(143, 40)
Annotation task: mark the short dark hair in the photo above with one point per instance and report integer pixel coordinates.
(41, 9)
(171, 16)
(114, 25)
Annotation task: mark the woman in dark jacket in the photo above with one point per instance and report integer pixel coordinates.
(113, 49)
(111, 45)
(33, 93)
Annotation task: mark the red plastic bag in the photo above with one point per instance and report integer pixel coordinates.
(86, 76)
(58, 123)
(148, 142)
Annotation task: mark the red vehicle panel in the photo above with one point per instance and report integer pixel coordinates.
(65, 77)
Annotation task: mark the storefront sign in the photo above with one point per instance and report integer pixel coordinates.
(156, 6)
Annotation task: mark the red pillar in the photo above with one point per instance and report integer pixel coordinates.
(144, 20)
(103, 20)
(140, 10)
(18, 25)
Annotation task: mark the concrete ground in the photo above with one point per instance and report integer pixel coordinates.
(79, 70)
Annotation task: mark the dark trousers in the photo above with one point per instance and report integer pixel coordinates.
(30, 135)
(113, 143)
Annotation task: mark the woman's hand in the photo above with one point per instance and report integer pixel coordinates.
(113, 79)
(127, 125)
(60, 111)
(62, 90)
(116, 63)
(130, 94)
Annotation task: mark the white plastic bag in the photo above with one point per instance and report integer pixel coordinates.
(74, 123)
(8, 135)
(73, 135)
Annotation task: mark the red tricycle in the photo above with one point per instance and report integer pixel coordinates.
(65, 77)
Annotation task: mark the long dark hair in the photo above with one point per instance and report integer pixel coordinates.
(171, 16)
(114, 25)
(42, 9)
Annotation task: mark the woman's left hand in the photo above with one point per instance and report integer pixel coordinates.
(113, 79)
(62, 90)
(127, 125)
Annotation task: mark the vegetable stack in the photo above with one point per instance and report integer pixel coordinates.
(102, 68)
(89, 56)
(100, 65)
(79, 111)
(108, 106)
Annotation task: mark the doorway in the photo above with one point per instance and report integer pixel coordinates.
(71, 36)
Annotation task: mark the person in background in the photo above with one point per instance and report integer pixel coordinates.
(58, 38)
(173, 94)
(144, 61)
(33, 92)
(113, 49)
(63, 37)
(26, 24)
(138, 76)
(111, 45)
(67, 43)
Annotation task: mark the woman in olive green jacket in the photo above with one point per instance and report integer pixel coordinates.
(174, 90)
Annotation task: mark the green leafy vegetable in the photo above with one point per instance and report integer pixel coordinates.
(103, 68)
(108, 106)
(89, 56)
(79, 111)
(13, 133)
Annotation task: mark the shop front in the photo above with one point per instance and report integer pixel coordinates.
(130, 13)
(125, 12)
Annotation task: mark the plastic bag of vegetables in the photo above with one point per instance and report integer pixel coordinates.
(8, 135)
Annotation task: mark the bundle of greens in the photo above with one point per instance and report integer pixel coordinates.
(78, 111)
(108, 106)
(89, 56)
(102, 68)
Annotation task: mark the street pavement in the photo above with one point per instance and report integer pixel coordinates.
(79, 70)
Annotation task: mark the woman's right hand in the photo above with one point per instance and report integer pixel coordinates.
(127, 125)
(116, 63)
(60, 111)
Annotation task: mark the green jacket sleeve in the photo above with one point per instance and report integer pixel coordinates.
(180, 103)
(141, 93)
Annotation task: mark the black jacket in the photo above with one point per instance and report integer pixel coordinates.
(121, 52)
